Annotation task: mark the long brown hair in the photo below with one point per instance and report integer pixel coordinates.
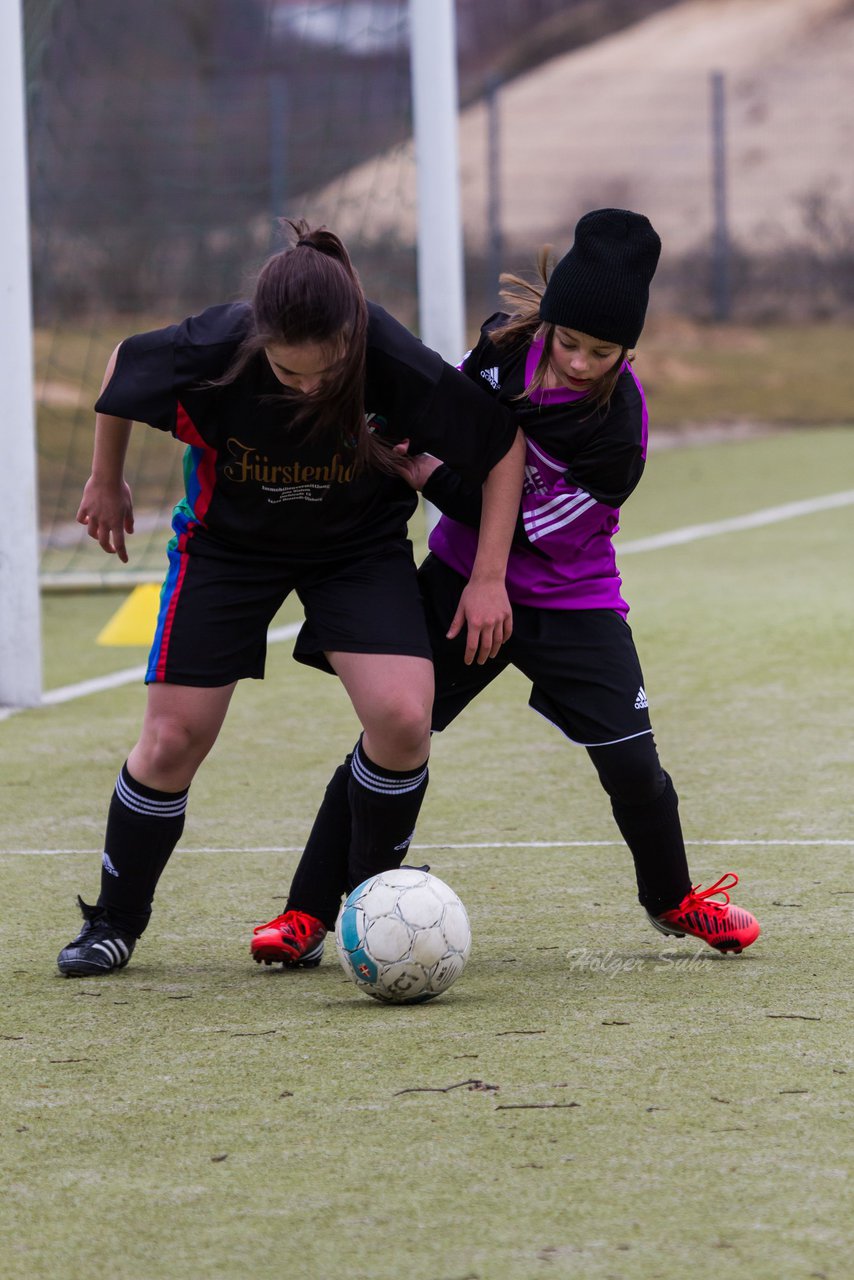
(522, 298)
(311, 292)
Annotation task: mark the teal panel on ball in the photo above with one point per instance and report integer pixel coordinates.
(363, 966)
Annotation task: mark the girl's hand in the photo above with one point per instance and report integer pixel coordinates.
(484, 606)
(416, 470)
(107, 512)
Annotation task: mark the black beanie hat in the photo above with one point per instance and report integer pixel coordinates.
(601, 287)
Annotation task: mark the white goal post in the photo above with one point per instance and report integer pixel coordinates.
(435, 109)
(20, 622)
(441, 304)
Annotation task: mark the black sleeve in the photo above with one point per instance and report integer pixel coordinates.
(454, 496)
(464, 427)
(437, 408)
(152, 369)
(609, 471)
(610, 463)
(450, 492)
(142, 385)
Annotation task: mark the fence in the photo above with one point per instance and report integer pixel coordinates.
(161, 155)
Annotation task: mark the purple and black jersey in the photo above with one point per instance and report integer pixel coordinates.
(254, 482)
(581, 464)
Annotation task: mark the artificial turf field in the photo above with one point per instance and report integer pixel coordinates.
(591, 1099)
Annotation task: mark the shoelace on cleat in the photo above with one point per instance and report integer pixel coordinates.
(292, 924)
(271, 924)
(720, 889)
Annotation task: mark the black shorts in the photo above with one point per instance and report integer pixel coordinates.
(582, 664)
(216, 606)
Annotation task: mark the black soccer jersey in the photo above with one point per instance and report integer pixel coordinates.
(581, 463)
(254, 479)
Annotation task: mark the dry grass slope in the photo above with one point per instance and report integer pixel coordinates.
(626, 121)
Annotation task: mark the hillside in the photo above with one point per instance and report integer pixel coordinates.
(627, 121)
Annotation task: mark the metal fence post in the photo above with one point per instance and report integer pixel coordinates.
(721, 300)
(277, 107)
(495, 242)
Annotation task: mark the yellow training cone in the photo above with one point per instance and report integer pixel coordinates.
(134, 622)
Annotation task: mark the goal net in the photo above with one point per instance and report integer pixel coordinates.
(167, 140)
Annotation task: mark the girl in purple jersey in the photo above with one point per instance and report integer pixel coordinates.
(559, 358)
(289, 487)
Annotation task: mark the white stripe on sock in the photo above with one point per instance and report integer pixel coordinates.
(146, 805)
(384, 786)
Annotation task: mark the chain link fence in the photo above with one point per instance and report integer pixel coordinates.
(167, 139)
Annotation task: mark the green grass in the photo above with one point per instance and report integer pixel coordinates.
(601, 1102)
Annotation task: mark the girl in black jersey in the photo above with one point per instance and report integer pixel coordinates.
(286, 408)
(559, 359)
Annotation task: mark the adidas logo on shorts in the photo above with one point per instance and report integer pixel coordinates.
(641, 701)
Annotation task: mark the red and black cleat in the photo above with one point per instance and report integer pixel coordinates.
(721, 925)
(295, 938)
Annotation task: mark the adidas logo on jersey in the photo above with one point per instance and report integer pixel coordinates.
(491, 376)
(641, 700)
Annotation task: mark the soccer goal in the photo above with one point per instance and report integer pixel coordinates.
(165, 145)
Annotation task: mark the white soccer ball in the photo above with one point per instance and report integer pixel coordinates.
(403, 936)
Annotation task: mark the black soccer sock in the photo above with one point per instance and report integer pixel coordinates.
(384, 807)
(143, 827)
(646, 810)
(321, 875)
(653, 833)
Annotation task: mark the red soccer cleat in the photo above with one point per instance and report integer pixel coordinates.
(294, 938)
(724, 927)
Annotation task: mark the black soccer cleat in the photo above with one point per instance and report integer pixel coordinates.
(98, 948)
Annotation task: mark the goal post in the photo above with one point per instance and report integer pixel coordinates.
(435, 109)
(441, 304)
(20, 621)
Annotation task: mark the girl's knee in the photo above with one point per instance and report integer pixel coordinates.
(180, 726)
(407, 728)
(401, 727)
(171, 746)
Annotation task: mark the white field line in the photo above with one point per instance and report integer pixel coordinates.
(422, 848)
(753, 520)
(129, 676)
(676, 537)
(112, 681)
(117, 678)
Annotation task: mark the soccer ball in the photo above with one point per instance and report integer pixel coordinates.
(403, 936)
